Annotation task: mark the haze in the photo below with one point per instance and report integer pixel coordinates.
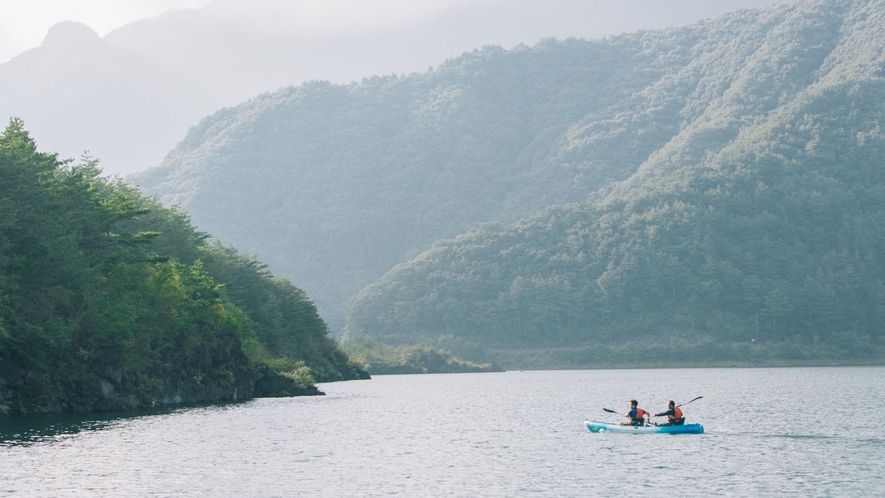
(166, 69)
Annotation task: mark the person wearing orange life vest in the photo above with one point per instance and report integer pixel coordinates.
(637, 415)
(673, 413)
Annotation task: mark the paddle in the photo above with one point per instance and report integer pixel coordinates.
(609, 410)
(687, 402)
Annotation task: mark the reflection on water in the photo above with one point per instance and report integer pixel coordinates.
(53, 428)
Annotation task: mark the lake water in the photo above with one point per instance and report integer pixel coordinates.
(790, 431)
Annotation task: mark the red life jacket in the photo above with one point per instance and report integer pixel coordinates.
(639, 413)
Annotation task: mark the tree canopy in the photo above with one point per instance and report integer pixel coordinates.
(102, 287)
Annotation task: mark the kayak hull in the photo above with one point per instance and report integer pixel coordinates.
(593, 426)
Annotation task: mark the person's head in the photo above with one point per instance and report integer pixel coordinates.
(633, 403)
(671, 404)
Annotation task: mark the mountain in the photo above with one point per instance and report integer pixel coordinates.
(79, 93)
(758, 220)
(131, 96)
(333, 185)
(238, 51)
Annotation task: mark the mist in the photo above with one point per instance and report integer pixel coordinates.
(132, 92)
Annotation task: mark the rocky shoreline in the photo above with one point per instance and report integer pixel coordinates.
(108, 390)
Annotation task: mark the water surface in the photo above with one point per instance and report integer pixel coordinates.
(790, 431)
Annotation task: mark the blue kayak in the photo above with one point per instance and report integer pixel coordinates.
(647, 429)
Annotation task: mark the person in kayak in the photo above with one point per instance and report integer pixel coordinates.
(637, 415)
(673, 413)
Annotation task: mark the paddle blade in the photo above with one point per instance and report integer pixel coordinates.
(687, 402)
(609, 410)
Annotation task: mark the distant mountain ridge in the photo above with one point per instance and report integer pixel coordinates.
(334, 185)
(130, 96)
(78, 92)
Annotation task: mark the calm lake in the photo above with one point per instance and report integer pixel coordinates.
(788, 431)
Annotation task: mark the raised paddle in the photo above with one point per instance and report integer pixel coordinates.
(687, 402)
(609, 410)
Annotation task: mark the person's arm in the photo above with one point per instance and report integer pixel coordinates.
(664, 414)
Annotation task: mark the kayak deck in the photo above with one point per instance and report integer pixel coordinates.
(594, 426)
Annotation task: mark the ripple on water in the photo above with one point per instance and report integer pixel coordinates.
(506, 434)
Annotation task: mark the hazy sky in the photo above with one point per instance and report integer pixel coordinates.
(24, 23)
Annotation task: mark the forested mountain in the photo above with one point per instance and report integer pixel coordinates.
(757, 217)
(333, 185)
(110, 301)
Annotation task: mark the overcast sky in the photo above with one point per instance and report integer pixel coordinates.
(24, 23)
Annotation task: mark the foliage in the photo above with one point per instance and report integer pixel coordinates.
(379, 359)
(102, 287)
(295, 370)
(759, 220)
(334, 185)
(721, 180)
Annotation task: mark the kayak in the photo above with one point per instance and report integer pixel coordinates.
(647, 429)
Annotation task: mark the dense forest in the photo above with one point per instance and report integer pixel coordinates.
(678, 191)
(109, 301)
(756, 233)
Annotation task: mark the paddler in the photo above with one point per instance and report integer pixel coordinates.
(673, 413)
(636, 415)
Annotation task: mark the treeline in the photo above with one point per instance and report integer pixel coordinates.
(110, 301)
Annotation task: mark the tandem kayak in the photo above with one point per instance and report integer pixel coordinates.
(648, 429)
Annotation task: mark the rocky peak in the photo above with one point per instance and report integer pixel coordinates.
(70, 34)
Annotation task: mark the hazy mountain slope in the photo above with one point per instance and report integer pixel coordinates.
(333, 185)
(130, 106)
(760, 220)
(76, 92)
(336, 184)
(237, 53)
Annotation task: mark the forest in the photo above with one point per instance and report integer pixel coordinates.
(109, 301)
(768, 249)
(689, 194)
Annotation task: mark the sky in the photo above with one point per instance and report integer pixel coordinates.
(23, 24)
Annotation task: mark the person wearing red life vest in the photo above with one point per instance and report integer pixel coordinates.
(636, 415)
(673, 413)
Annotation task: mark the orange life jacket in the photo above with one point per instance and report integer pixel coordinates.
(677, 414)
(639, 413)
